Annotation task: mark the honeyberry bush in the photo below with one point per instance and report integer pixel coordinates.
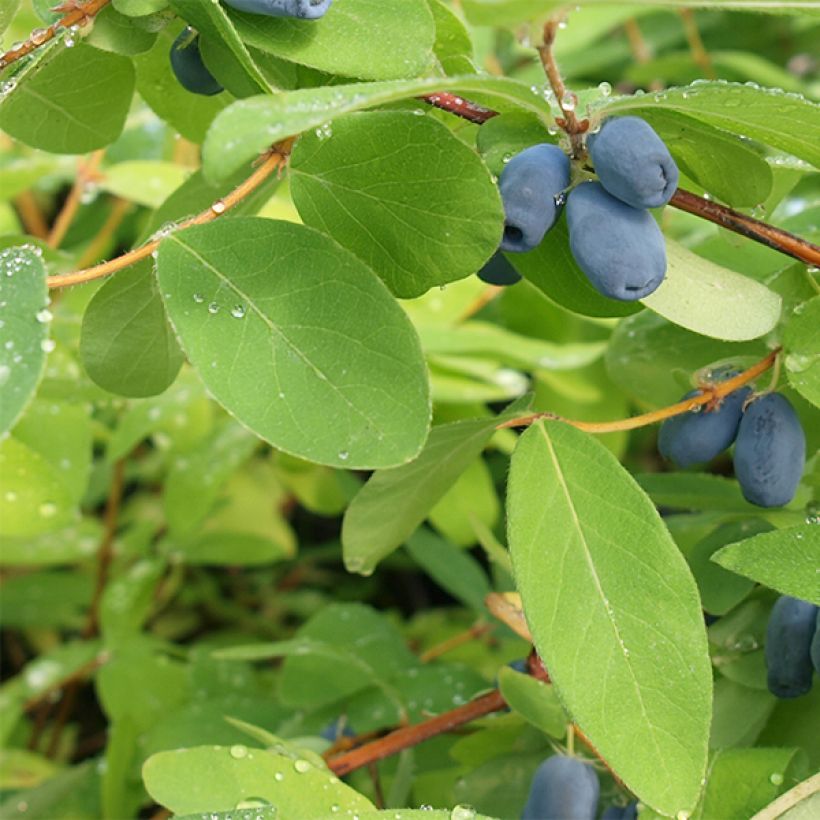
(256, 486)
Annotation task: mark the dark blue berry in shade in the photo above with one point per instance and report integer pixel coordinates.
(339, 728)
(520, 665)
(627, 812)
(302, 9)
(188, 67)
(529, 185)
(815, 646)
(633, 163)
(498, 271)
(563, 788)
(699, 436)
(770, 451)
(619, 248)
(789, 633)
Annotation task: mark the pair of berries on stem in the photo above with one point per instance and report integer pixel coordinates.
(186, 59)
(613, 237)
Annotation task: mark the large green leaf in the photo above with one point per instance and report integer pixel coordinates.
(785, 560)
(23, 329)
(73, 100)
(383, 39)
(711, 300)
(298, 339)
(401, 192)
(249, 126)
(786, 121)
(613, 610)
(801, 342)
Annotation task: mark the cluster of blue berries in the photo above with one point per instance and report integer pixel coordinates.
(613, 237)
(770, 445)
(566, 788)
(186, 60)
(792, 647)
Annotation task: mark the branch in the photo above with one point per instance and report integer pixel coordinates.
(86, 172)
(710, 394)
(77, 15)
(275, 159)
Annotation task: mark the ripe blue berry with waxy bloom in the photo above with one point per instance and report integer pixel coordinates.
(633, 163)
(815, 646)
(770, 451)
(302, 9)
(789, 632)
(498, 271)
(186, 62)
(529, 185)
(563, 788)
(619, 248)
(699, 436)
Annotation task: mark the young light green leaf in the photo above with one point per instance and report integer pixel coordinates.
(250, 126)
(383, 39)
(534, 700)
(712, 300)
(801, 341)
(787, 560)
(24, 320)
(72, 101)
(403, 193)
(288, 330)
(784, 120)
(214, 778)
(613, 610)
(146, 182)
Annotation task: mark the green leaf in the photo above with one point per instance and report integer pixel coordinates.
(711, 300)
(72, 545)
(695, 491)
(214, 778)
(72, 101)
(127, 345)
(451, 568)
(288, 330)
(146, 182)
(7, 12)
(534, 700)
(800, 803)
(392, 504)
(801, 341)
(383, 39)
(116, 32)
(403, 193)
(785, 560)
(250, 126)
(23, 329)
(784, 120)
(453, 46)
(613, 610)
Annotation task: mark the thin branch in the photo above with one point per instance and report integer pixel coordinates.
(97, 245)
(76, 15)
(86, 172)
(802, 791)
(637, 44)
(475, 631)
(696, 48)
(273, 162)
(710, 394)
(31, 215)
(77, 676)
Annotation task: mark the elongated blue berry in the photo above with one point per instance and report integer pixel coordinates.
(303, 9)
(529, 185)
(188, 67)
(633, 163)
(619, 248)
(770, 451)
(699, 436)
(498, 271)
(563, 788)
(815, 646)
(789, 633)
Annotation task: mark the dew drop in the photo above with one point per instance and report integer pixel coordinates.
(604, 89)
(462, 813)
(47, 345)
(279, 777)
(238, 751)
(238, 311)
(213, 308)
(344, 455)
(301, 766)
(569, 101)
(199, 298)
(38, 36)
(43, 316)
(218, 207)
(776, 778)
(47, 509)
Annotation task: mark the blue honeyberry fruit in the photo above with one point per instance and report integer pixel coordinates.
(789, 632)
(498, 271)
(337, 729)
(303, 9)
(633, 163)
(529, 185)
(627, 812)
(699, 436)
(770, 451)
(186, 62)
(563, 788)
(619, 248)
(815, 645)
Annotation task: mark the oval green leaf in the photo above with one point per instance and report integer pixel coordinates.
(299, 340)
